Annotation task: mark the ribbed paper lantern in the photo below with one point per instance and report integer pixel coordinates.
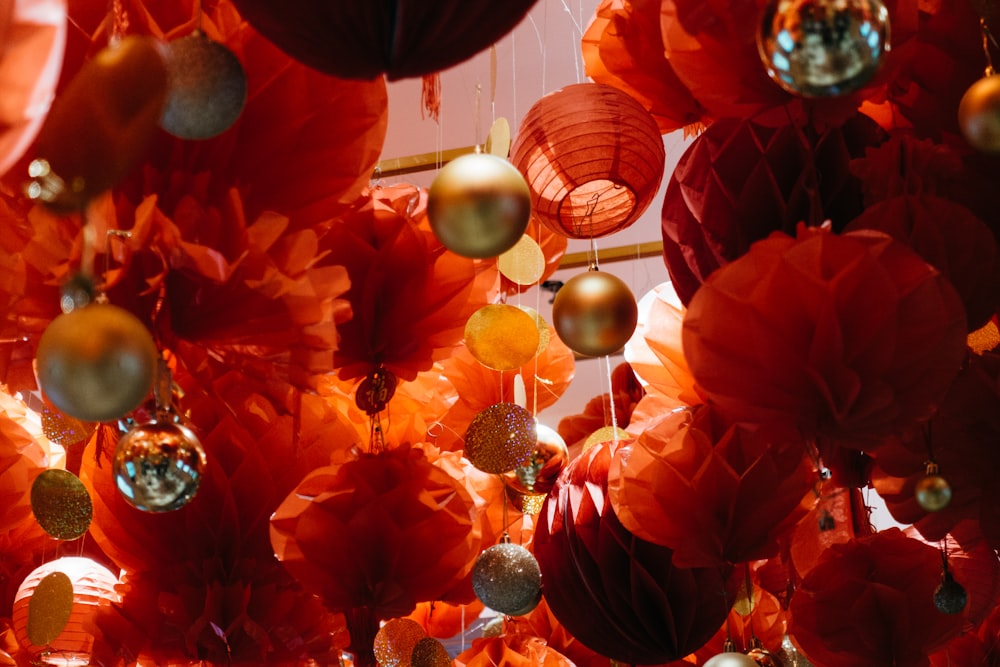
(93, 586)
(593, 158)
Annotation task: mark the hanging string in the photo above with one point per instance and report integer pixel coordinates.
(197, 17)
(987, 38)
(611, 403)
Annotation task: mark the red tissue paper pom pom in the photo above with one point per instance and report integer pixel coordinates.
(714, 493)
(844, 338)
(616, 593)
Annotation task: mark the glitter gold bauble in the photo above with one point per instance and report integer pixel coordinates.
(605, 434)
(49, 608)
(506, 578)
(544, 333)
(979, 114)
(933, 493)
(823, 48)
(501, 336)
(500, 438)
(524, 263)
(478, 205)
(395, 641)
(594, 313)
(96, 363)
(207, 88)
(731, 659)
(429, 652)
(61, 504)
(547, 459)
(158, 466)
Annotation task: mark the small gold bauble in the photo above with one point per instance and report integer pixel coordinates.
(500, 438)
(429, 652)
(478, 205)
(979, 114)
(594, 313)
(547, 459)
(96, 363)
(49, 608)
(61, 504)
(395, 641)
(933, 493)
(501, 336)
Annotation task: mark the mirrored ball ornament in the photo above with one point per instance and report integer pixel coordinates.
(158, 466)
(824, 48)
(548, 458)
(206, 88)
(506, 578)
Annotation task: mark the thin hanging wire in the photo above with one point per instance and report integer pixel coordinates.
(987, 38)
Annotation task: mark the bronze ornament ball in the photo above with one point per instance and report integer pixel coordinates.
(979, 114)
(158, 466)
(500, 438)
(594, 313)
(933, 493)
(478, 206)
(96, 363)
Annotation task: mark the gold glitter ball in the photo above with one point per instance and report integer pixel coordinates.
(64, 430)
(395, 640)
(429, 652)
(500, 438)
(49, 608)
(61, 504)
(501, 337)
(605, 434)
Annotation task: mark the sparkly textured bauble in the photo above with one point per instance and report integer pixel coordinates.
(506, 578)
(524, 263)
(429, 652)
(594, 313)
(501, 336)
(61, 504)
(979, 114)
(764, 658)
(207, 88)
(478, 205)
(823, 48)
(950, 596)
(731, 659)
(158, 466)
(933, 493)
(96, 363)
(605, 434)
(547, 459)
(49, 608)
(395, 641)
(500, 438)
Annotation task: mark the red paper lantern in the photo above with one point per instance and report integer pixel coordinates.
(619, 595)
(593, 158)
(401, 38)
(93, 585)
(846, 339)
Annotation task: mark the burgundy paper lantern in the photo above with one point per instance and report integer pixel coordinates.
(593, 158)
(362, 39)
(617, 594)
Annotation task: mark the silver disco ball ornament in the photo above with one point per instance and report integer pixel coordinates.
(507, 579)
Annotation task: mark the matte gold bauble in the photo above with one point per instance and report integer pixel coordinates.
(506, 578)
(731, 659)
(478, 205)
(158, 466)
(979, 114)
(548, 458)
(207, 88)
(594, 313)
(501, 336)
(49, 608)
(96, 363)
(933, 493)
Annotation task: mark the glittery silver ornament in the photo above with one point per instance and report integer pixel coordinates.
(950, 596)
(207, 88)
(823, 48)
(507, 579)
(158, 466)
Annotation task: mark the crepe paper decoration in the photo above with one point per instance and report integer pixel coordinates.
(400, 38)
(623, 47)
(655, 352)
(593, 159)
(960, 438)
(949, 237)
(409, 297)
(543, 623)
(976, 647)
(55, 604)
(618, 594)
(850, 338)
(831, 521)
(511, 650)
(443, 620)
(715, 493)
(597, 413)
(34, 38)
(870, 602)
(740, 180)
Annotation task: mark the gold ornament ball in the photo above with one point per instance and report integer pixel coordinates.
(506, 578)
(479, 205)
(731, 659)
(96, 363)
(395, 641)
(500, 438)
(429, 652)
(979, 114)
(158, 466)
(546, 461)
(933, 493)
(61, 504)
(594, 313)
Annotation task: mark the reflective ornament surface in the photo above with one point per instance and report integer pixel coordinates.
(950, 596)
(158, 466)
(546, 460)
(500, 438)
(96, 363)
(206, 88)
(933, 493)
(764, 658)
(61, 504)
(979, 114)
(730, 659)
(823, 48)
(478, 205)
(595, 313)
(507, 579)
